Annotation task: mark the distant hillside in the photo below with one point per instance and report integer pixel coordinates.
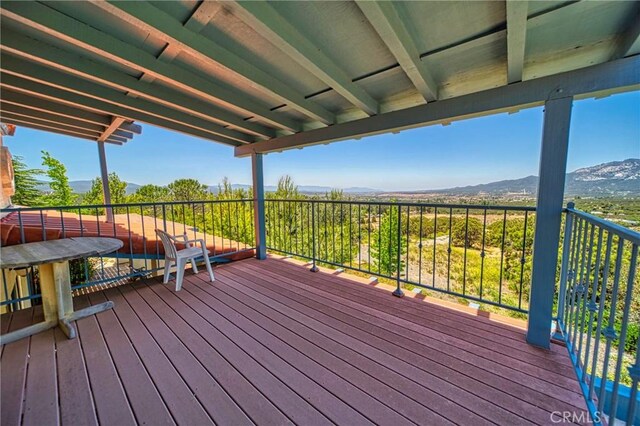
(614, 178)
(83, 186)
(306, 189)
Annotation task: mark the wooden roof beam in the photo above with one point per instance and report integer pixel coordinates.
(88, 128)
(516, 38)
(56, 94)
(629, 41)
(263, 18)
(596, 80)
(199, 19)
(128, 107)
(115, 124)
(58, 25)
(385, 19)
(62, 131)
(73, 64)
(19, 111)
(147, 17)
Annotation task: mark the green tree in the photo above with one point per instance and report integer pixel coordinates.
(117, 189)
(466, 232)
(150, 194)
(384, 245)
(61, 193)
(188, 190)
(26, 191)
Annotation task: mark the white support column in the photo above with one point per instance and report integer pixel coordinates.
(553, 169)
(258, 205)
(104, 173)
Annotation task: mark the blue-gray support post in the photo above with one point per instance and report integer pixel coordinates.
(553, 165)
(258, 206)
(105, 180)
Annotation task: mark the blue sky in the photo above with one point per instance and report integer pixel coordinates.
(503, 146)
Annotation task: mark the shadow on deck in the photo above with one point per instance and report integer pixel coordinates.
(271, 343)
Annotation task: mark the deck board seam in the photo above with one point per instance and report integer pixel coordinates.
(444, 329)
(204, 339)
(463, 374)
(239, 348)
(316, 345)
(374, 348)
(429, 337)
(119, 290)
(115, 367)
(26, 374)
(274, 336)
(256, 360)
(86, 368)
(212, 377)
(375, 295)
(486, 384)
(135, 350)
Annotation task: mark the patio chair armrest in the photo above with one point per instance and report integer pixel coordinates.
(198, 241)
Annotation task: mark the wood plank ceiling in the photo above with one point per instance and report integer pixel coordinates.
(243, 73)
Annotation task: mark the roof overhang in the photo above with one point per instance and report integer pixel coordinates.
(268, 76)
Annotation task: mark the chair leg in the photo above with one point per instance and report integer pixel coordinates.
(180, 273)
(207, 263)
(167, 271)
(193, 265)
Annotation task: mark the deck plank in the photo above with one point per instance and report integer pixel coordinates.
(297, 409)
(184, 406)
(325, 352)
(13, 370)
(143, 397)
(437, 402)
(41, 393)
(322, 400)
(214, 399)
(434, 345)
(351, 395)
(112, 405)
(461, 331)
(76, 399)
(390, 353)
(270, 343)
(255, 404)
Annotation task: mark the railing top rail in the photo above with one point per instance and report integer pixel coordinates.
(409, 204)
(621, 231)
(102, 206)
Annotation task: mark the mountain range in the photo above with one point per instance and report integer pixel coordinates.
(620, 178)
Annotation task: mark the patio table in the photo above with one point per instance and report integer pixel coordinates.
(53, 258)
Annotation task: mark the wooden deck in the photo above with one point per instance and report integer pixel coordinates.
(272, 343)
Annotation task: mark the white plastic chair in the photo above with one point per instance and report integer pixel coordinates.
(179, 258)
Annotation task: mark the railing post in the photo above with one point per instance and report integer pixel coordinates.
(553, 167)
(104, 173)
(398, 291)
(258, 206)
(314, 268)
(564, 268)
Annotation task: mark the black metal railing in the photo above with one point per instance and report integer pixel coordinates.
(225, 225)
(479, 253)
(599, 313)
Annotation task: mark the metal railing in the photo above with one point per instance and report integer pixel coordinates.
(225, 225)
(599, 313)
(479, 253)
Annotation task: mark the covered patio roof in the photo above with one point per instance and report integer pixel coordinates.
(265, 76)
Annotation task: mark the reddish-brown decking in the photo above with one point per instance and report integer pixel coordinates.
(136, 231)
(272, 343)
